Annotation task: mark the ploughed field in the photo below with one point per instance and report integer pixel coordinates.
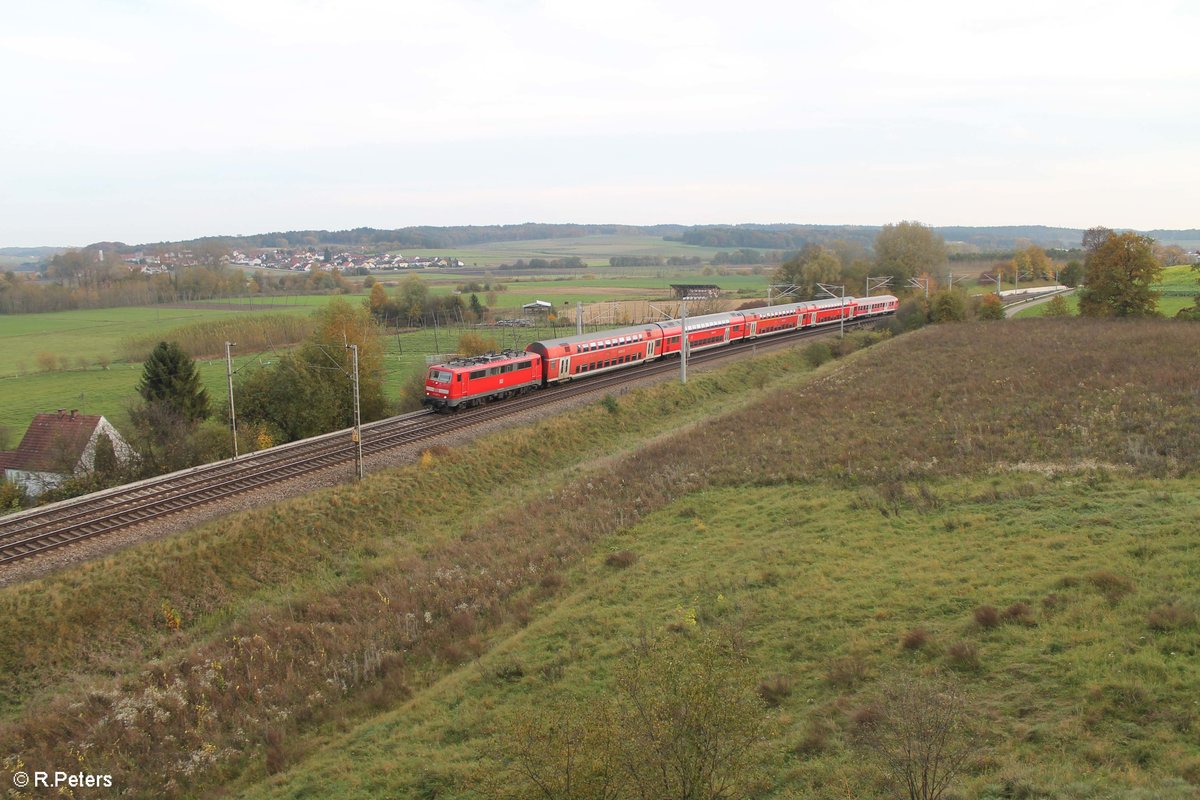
(844, 525)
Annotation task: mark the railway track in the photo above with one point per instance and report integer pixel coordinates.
(36, 531)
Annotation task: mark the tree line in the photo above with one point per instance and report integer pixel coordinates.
(103, 284)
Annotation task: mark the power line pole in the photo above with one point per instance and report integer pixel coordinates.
(828, 288)
(357, 435)
(683, 343)
(882, 282)
(229, 377)
(579, 317)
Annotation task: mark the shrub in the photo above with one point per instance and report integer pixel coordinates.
(963, 656)
(610, 404)
(552, 580)
(1112, 586)
(1170, 617)
(775, 690)
(915, 639)
(621, 559)
(47, 362)
(817, 354)
(847, 672)
(987, 617)
(814, 741)
(473, 344)
(844, 346)
(1020, 614)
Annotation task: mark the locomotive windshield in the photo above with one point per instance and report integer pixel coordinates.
(439, 375)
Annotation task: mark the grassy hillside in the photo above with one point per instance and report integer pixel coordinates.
(377, 640)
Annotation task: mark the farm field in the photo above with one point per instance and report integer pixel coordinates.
(595, 250)
(838, 528)
(78, 341)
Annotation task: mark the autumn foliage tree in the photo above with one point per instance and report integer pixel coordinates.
(1120, 271)
(811, 266)
(907, 249)
(990, 307)
(1032, 262)
(309, 391)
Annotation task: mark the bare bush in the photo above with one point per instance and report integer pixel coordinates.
(847, 672)
(1170, 617)
(1020, 614)
(775, 690)
(963, 656)
(682, 724)
(1112, 586)
(915, 639)
(987, 617)
(921, 734)
(621, 559)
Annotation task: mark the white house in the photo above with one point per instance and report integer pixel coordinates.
(57, 446)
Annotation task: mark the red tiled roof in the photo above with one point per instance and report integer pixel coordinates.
(51, 440)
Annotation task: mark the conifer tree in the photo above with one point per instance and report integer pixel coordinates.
(170, 379)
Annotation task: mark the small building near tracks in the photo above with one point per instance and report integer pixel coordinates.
(695, 291)
(59, 446)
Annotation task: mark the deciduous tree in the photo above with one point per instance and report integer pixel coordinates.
(907, 249)
(1033, 262)
(948, 305)
(1057, 307)
(1120, 272)
(920, 730)
(812, 265)
(309, 390)
(990, 307)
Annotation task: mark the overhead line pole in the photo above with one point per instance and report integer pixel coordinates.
(828, 288)
(357, 435)
(229, 377)
(683, 343)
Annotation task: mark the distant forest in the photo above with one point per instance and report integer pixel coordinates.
(430, 238)
(780, 237)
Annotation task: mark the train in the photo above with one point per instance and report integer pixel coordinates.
(475, 380)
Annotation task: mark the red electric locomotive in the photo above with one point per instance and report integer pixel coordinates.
(466, 382)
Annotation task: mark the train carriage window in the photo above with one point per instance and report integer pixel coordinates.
(479, 373)
(525, 365)
(458, 377)
(493, 371)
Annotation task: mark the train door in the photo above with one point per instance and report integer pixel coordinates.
(564, 368)
(753, 329)
(649, 350)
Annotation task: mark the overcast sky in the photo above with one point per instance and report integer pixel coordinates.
(146, 120)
